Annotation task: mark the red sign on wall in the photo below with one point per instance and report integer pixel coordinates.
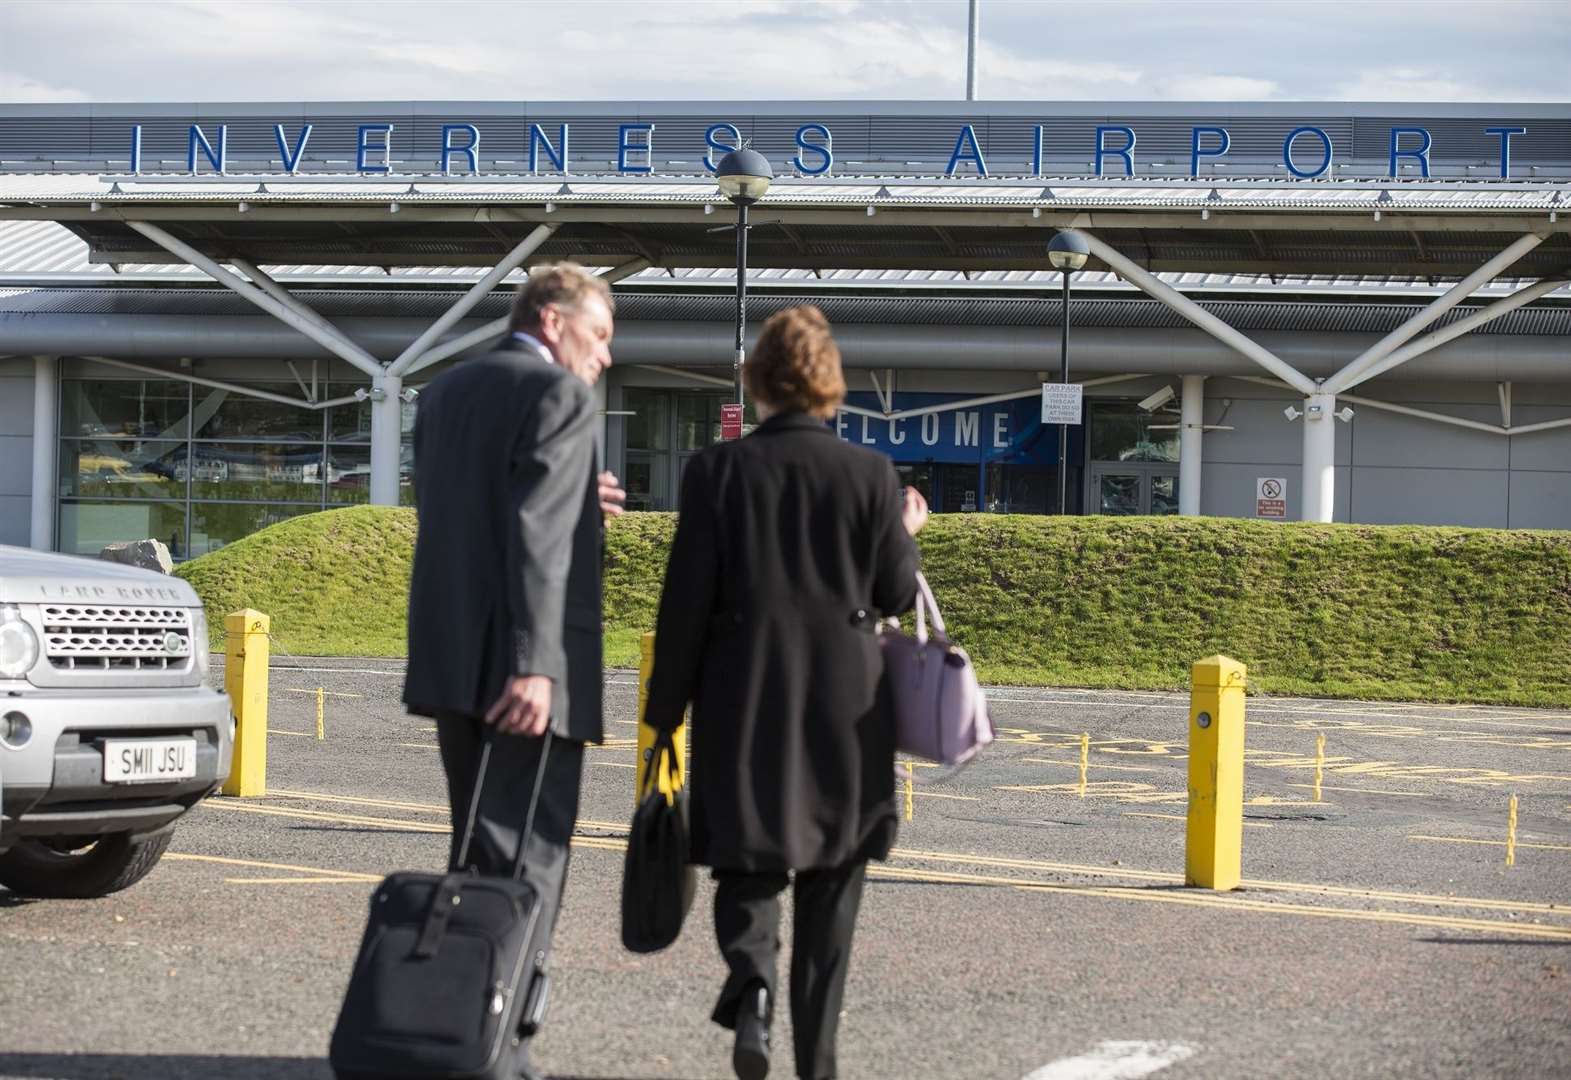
(730, 422)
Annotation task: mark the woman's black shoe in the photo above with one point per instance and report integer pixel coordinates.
(750, 1059)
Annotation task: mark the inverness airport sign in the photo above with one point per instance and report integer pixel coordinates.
(1307, 149)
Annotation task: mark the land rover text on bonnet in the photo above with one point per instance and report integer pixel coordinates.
(108, 732)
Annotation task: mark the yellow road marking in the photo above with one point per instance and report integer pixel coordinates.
(1491, 843)
(1232, 902)
(1181, 817)
(294, 881)
(613, 765)
(325, 693)
(315, 796)
(941, 795)
(282, 731)
(1095, 765)
(181, 856)
(1365, 790)
(418, 745)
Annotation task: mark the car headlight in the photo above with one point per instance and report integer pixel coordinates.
(199, 641)
(18, 643)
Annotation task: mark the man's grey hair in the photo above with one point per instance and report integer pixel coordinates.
(564, 284)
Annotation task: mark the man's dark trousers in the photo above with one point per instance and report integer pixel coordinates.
(747, 928)
(504, 805)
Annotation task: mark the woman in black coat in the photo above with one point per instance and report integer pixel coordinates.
(789, 547)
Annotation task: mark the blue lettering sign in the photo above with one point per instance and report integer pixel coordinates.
(623, 148)
(1421, 153)
(136, 148)
(1505, 134)
(556, 154)
(291, 160)
(362, 148)
(1287, 152)
(198, 140)
(967, 137)
(1008, 432)
(1126, 152)
(1196, 151)
(825, 150)
(711, 144)
(471, 151)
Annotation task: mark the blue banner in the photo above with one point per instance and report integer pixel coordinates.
(1007, 432)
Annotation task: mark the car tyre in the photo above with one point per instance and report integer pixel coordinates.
(51, 871)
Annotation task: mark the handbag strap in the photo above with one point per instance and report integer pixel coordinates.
(474, 802)
(925, 603)
(663, 749)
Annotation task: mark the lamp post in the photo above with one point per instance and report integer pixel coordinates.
(743, 176)
(1067, 251)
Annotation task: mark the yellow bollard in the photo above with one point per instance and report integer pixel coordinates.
(1511, 833)
(245, 681)
(910, 791)
(321, 728)
(1320, 763)
(1213, 853)
(1085, 760)
(646, 734)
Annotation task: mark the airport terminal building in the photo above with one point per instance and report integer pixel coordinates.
(216, 316)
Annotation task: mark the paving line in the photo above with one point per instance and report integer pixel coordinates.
(181, 856)
(614, 842)
(283, 731)
(1115, 1060)
(1181, 817)
(1095, 765)
(1491, 843)
(1366, 791)
(1232, 902)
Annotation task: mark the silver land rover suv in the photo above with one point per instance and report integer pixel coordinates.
(107, 731)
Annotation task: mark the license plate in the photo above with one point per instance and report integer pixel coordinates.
(148, 761)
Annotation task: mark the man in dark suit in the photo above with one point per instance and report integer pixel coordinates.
(504, 600)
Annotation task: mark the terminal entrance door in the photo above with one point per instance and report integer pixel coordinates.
(1125, 488)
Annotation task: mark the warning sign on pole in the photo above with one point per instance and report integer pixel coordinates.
(1271, 497)
(730, 422)
(1061, 403)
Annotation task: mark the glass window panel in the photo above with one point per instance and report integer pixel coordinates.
(348, 475)
(697, 420)
(646, 483)
(1020, 489)
(1119, 495)
(215, 524)
(919, 476)
(150, 408)
(961, 489)
(225, 414)
(279, 472)
(1164, 494)
(122, 468)
(648, 427)
(1122, 432)
(86, 528)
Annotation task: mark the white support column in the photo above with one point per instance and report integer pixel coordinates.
(1319, 482)
(387, 412)
(1191, 427)
(46, 449)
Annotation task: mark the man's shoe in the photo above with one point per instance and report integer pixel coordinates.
(750, 1059)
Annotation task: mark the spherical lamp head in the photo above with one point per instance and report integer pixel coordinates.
(1068, 251)
(744, 175)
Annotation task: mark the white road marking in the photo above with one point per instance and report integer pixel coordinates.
(1115, 1060)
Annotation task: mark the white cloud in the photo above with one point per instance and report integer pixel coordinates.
(20, 89)
(1415, 85)
(1217, 88)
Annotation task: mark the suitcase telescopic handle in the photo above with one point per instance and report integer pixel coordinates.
(474, 803)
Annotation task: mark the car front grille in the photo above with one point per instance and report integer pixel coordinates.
(104, 638)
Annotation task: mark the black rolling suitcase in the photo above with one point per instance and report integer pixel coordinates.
(451, 971)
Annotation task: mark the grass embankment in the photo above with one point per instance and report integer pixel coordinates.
(1336, 610)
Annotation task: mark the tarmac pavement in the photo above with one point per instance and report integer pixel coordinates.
(1022, 929)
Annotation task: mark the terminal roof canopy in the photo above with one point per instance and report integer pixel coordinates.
(1431, 230)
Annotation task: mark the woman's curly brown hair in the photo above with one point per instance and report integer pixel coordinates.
(795, 365)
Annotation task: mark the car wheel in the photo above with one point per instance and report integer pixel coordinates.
(80, 868)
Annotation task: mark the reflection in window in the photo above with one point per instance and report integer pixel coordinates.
(647, 427)
(270, 473)
(1122, 432)
(224, 414)
(86, 528)
(149, 408)
(121, 469)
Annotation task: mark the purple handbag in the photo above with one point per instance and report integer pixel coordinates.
(940, 712)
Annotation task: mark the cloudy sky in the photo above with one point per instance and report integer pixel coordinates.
(292, 50)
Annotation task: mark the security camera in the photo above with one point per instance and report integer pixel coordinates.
(361, 393)
(1158, 399)
(409, 393)
(1345, 415)
(1291, 413)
